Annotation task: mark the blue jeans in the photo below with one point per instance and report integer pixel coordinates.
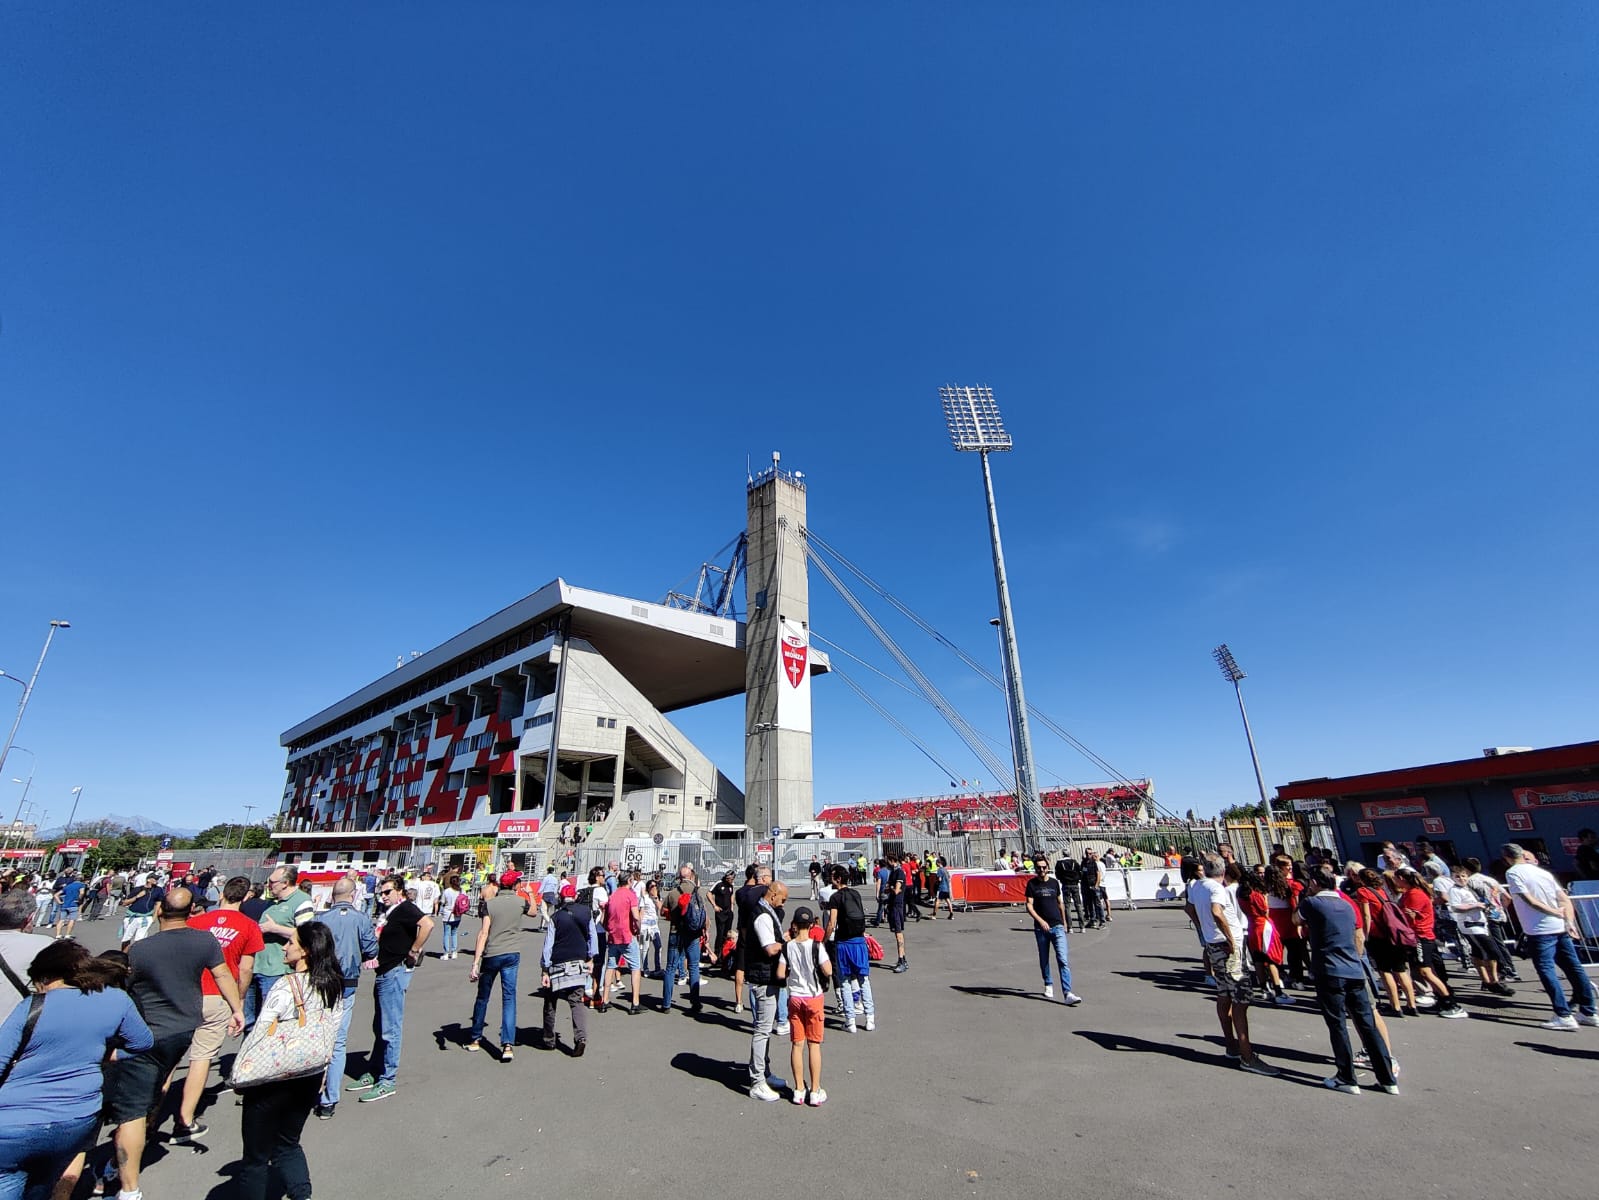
(452, 937)
(504, 967)
(260, 985)
(676, 952)
(851, 988)
(1054, 936)
(1556, 949)
(32, 1157)
(388, 1021)
(335, 1075)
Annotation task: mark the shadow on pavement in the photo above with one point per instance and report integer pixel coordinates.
(1561, 1051)
(733, 1076)
(1118, 1042)
(1003, 993)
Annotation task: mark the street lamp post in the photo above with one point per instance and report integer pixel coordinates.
(77, 794)
(975, 426)
(27, 689)
(1234, 675)
(17, 816)
(248, 809)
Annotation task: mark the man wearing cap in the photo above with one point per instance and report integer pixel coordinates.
(498, 955)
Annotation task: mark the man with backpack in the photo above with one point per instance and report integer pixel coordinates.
(684, 910)
(846, 929)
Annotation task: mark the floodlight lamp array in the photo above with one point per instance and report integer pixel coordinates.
(1228, 664)
(973, 419)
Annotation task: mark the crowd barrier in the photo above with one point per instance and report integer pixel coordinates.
(1124, 888)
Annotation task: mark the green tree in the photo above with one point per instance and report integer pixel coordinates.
(227, 837)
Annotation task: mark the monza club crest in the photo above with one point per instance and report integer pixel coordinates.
(794, 653)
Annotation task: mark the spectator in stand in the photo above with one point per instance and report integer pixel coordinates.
(1548, 921)
(50, 1105)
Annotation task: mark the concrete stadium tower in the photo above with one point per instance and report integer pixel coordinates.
(777, 670)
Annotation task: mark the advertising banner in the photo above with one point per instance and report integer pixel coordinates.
(1556, 795)
(73, 845)
(511, 827)
(1385, 810)
(793, 676)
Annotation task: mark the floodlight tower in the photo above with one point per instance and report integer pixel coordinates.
(975, 426)
(1235, 676)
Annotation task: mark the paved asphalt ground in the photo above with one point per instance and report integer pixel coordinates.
(972, 1085)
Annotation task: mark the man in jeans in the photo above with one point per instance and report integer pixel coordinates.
(1548, 920)
(1045, 906)
(498, 955)
(357, 946)
(402, 933)
(1336, 945)
(762, 940)
(683, 939)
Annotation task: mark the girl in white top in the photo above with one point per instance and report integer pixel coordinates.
(649, 910)
(450, 919)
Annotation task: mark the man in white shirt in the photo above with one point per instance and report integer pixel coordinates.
(17, 948)
(428, 892)
(1548, 921)
(1215, 913)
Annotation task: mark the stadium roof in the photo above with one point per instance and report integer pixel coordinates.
(675, 657)
(1581, 756)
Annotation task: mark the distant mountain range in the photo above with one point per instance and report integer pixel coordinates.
(143, 825)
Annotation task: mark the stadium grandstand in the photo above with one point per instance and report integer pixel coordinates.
(1108, 806)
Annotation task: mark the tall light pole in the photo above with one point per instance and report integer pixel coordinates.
(975, 426)
(1235, 676)
(248, 809)
(27, 689)
(77, 794)
(25, 786)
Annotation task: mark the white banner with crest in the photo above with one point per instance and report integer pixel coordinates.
(793, 676)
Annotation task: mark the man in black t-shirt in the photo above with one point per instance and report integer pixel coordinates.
(722, 901)
(846, 927)
(165, 984)
(402, 932)
(1049, 929)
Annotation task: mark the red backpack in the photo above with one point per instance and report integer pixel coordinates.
(1389, 924)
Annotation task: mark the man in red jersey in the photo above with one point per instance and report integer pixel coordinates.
(241, 939)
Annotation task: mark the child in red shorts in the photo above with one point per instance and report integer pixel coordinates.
(804, 967)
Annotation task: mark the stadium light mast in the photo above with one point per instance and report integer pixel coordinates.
(27, 689)
(975, 427)
(1235, 676)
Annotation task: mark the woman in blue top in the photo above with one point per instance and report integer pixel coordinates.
(50, 1103)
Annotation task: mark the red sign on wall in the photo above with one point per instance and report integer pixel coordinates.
(1519, 821)
(519, 826)
(1433, 825)
(1556, 795)
(1384, 810)
(1365, 829)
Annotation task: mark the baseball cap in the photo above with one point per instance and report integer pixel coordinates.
(509, 879)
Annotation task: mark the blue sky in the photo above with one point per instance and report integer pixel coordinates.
(326, 333)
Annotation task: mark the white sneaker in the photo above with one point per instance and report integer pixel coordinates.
(781, 1030)
(799, 1096)
(1071, 1000)
(1425, 1001)
(818, 1097)
(1588, 1019)
(871, 1022)
(1333, 1083)
(761, 1091)
(1049, 991)
(849, 1027)
(1565, 1023)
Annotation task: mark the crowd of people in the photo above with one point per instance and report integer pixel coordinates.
(258, 960)
(1368, 937)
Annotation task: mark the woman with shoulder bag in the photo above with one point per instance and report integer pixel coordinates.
(298, 1019)
(52, 1048)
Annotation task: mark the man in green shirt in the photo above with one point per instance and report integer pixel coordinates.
(290, 908)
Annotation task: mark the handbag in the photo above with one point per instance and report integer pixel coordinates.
(277, 1049)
